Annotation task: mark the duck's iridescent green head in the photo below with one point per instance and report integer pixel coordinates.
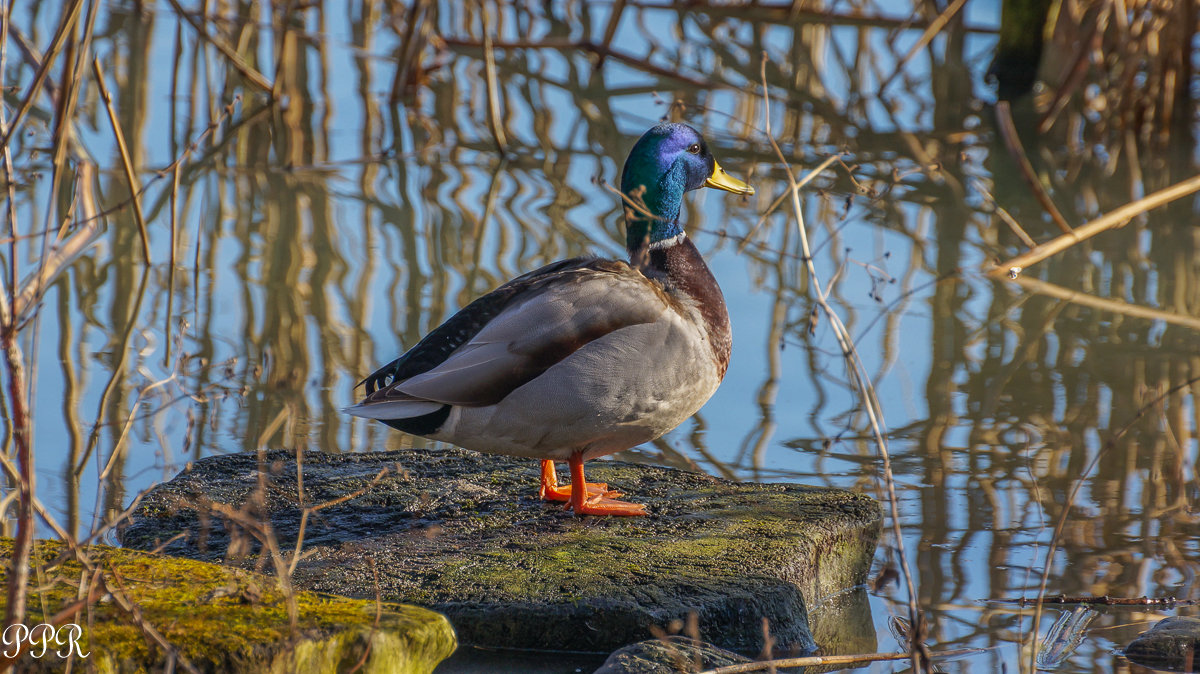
(667, 161)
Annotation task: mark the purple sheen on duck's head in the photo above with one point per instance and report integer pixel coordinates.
(670, 153)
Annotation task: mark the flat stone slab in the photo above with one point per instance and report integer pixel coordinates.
(212, 618)
(464, 534)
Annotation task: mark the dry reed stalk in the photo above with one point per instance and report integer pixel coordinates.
(1112, 220)
(820, 660)
(762, 218)
(253, 76)
(1105, 304)
(187, 152)
(1012, 141)
(65, 27)
(266, 531)
(126, 160)
(1090, 43)
(918, 652)
(174, 204)
(281, 49)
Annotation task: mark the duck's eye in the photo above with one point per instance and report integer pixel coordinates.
(695, 148)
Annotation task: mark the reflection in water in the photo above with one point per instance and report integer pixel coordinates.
(318, 234)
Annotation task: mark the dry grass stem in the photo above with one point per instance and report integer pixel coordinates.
(126, 161)
(1112, 220)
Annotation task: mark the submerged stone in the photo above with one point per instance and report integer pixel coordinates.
(213, 618)
(464, 534)
(1173, 643)
(669, 655)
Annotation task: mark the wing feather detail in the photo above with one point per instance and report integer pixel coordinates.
(514, 334)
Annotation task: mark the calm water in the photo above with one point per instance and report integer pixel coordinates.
(319, 237)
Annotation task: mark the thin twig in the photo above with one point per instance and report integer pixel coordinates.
(121, 598)
(808, 177)
(1112, 220)
(7, 294)
(321, 506)
(171, 261)
(610, 31)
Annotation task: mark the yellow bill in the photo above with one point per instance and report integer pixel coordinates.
(723, 181)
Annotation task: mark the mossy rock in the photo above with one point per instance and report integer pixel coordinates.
(1173, 643)
(464, 534)
(218, 619)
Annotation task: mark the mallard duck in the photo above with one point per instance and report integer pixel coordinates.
(583, 357)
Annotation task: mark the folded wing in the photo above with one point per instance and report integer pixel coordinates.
(511, 336)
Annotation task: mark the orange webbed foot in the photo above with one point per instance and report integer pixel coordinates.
(601, 505)
(597, 504)
(551, 491)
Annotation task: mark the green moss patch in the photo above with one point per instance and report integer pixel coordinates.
(221, 619)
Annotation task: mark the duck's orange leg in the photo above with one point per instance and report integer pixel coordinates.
(600, 504)
(550, 491)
